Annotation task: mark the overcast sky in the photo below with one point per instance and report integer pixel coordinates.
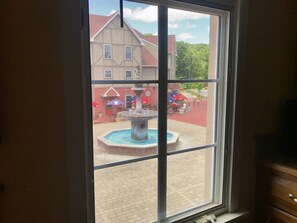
(187, 26)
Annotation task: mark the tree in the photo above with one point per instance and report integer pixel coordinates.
(183, 66)
(191, 61)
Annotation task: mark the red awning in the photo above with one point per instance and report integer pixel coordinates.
(143, 101)
(95, 104)
(179, 97)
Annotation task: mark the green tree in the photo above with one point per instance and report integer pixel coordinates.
(191, 61)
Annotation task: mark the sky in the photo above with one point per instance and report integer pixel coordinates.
(187, 26)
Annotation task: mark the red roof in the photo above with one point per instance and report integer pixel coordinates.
(154, 40)
(147, 58)
(97, 22)
(151, 39)
(139, 33)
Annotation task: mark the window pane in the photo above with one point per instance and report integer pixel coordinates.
(191, 114)
(128, 53)
(192, 45)
(107, 74)
(126, 193)
(189, 182)
(107, 51)
(124, 121)
(128, 74)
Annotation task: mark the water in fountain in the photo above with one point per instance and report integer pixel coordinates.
(123, 137)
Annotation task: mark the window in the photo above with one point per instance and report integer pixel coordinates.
(164, 155)
(128, 53)
(128, 101)
(128, 74)
(107, 74)
(107, 51)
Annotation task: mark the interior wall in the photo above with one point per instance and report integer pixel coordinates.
(270, 79)
(33, 158)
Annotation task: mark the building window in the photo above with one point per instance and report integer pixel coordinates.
(128, 101)
(128, 74)
(128, 53)
(107, 74)
(107, 51)
(178, 136)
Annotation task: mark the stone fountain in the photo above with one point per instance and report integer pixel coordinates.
(143, 141)
(139, 117)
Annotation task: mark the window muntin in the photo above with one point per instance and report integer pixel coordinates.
(108, 73)
(107, 51)
(128, 52)
(219, 111)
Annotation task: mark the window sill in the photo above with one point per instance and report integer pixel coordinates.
(232, 217)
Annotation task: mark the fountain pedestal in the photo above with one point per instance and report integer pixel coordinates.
(139, 122)
(139, 129)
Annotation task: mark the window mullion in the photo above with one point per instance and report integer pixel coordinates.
(162, 122)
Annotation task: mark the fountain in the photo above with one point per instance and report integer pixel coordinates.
(138, 117)
(142, 141)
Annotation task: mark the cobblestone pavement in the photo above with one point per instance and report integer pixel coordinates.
(128, 193)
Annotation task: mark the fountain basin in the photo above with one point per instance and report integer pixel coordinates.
(119, 142)
(139, 122)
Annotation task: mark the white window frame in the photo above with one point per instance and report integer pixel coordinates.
(107, 70)
(78, 209)
(128, 70)
(128, 47)
(109, 56)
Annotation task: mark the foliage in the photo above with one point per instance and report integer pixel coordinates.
(191, 61)
(192, 88)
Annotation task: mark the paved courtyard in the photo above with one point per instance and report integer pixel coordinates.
(128, 193)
